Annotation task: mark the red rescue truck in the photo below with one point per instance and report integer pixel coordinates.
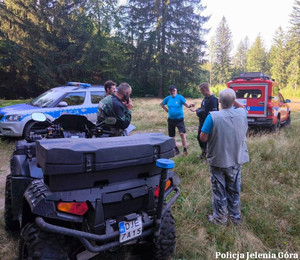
(259, 93)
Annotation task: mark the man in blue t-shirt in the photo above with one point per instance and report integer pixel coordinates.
(172, 104)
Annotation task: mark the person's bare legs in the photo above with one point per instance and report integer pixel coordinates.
(176, 148)
(183, 140)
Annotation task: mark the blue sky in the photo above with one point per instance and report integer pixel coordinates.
(249, 18)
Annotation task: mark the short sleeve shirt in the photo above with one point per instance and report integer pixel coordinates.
(208, 124)
(175, 106)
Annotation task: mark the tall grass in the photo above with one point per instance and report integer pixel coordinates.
(8, 243)
(4, 103)
(270, 191)
(290, 92)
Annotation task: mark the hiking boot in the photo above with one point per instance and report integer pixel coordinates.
(185, 152)
(202, 157)
(176, 150)
(236, 221)
(213, 220)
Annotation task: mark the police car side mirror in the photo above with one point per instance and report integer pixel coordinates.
(62, 104)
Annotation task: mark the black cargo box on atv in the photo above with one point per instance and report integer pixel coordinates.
(82, 163)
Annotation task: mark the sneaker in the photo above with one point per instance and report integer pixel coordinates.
(185, 152)
(176, 150)
(202, 157)
(236, 221)
(213, 220)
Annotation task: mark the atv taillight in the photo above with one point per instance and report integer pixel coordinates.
(76, 208)
(156, 191)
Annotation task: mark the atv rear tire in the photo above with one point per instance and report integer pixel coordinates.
(10, 223)
(165, 246)
(36, 244)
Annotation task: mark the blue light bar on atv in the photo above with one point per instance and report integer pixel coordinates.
(79, 84)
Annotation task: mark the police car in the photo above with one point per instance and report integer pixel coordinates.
(73, 98)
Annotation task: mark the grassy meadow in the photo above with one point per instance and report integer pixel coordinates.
(270, 191)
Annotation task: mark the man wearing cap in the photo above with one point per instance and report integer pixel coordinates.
(172, 104)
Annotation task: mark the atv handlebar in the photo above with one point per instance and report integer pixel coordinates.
(56, 131)
(69, 125)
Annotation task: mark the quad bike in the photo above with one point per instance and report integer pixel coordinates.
(76, 197)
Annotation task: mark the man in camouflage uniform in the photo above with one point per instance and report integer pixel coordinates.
(118, 106)
(225, 133)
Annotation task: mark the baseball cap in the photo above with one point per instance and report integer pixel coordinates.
(171, 88)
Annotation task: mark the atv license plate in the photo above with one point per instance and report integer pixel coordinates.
(130, 229)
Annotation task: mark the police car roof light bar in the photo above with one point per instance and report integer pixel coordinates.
(79, 84)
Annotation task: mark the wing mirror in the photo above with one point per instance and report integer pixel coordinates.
(62, 104)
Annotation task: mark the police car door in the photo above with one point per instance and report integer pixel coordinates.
(76, 104)
(95, 97)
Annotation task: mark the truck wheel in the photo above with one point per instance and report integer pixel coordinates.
(164, 247)
(276, 127)
(288, 121)
(36, 244)
(10, 223)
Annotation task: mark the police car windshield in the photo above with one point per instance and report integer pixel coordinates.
(46, 99)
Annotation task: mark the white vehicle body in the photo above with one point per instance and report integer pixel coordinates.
(74, 98)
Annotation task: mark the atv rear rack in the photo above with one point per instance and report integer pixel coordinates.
(85, 237)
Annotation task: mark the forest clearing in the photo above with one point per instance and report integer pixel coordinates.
(270, 191)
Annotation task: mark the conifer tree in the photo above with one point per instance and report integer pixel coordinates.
(257, 57)
(50, 37)
(168, 40)
(223, 47)
(295, 17)
(293, 60)
(293, 48)
(239, 60)
(278, 58)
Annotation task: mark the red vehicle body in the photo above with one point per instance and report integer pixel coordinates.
(260, 95)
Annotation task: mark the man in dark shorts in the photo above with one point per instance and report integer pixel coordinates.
(172, 104)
